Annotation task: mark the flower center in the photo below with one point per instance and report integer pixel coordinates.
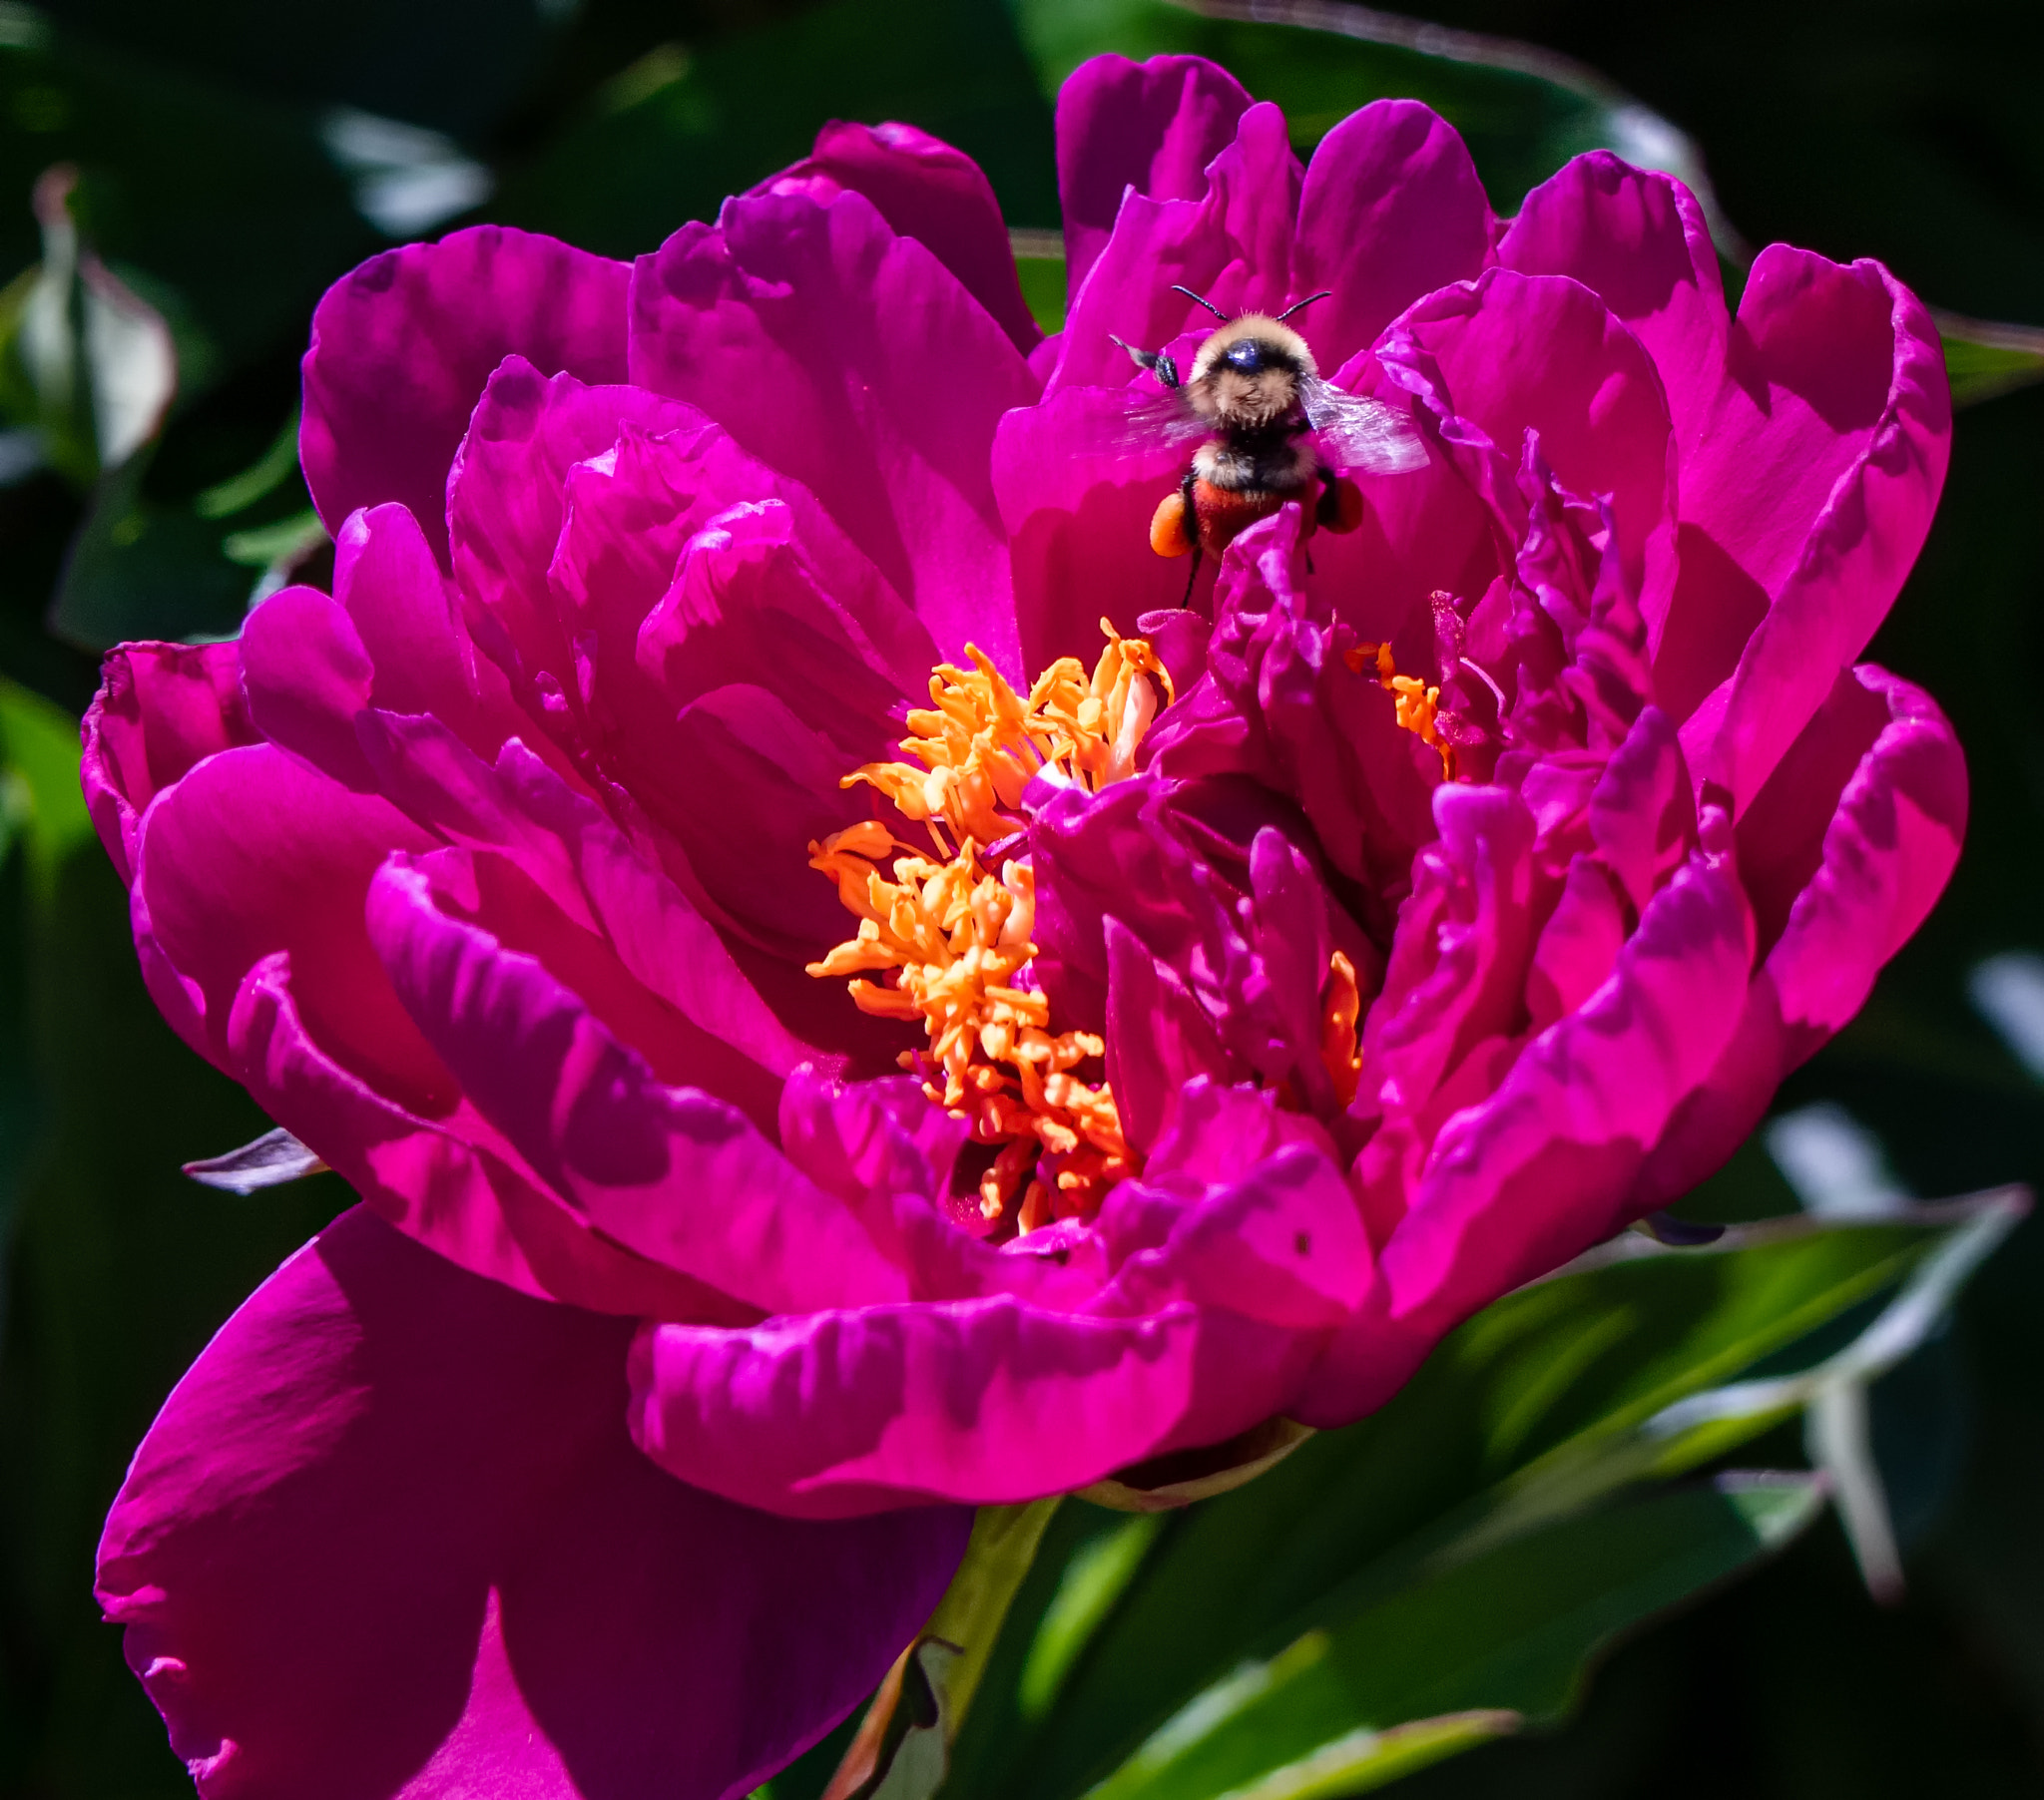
(950, 936)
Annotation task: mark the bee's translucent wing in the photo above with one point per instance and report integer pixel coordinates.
(1365, 435)
(1147, 420)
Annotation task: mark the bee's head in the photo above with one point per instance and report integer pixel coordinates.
(1248, 374)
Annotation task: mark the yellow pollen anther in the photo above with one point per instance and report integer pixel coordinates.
(1415, 702)
(956, 933)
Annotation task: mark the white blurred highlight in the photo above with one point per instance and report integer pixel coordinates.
(2008, 992)
(1835, 1163)
(407, 180)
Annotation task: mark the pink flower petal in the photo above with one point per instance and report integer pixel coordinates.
(401, 348)
(505, 506)
(1153, 126)
(1889, 848)
(1637, 240)
(851, 359)
(927, 190)
(1518, 353)
(308, 676)
(409, 619)
(452, 1182)
(1815, 479)
(1391, 209)
(1232, 244)
(529, 1607)
(668, 1171)
(255, 853)
(848, 1412)
(1546, 1165)
(163, 708)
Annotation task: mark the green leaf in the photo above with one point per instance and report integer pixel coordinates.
(1541, 1406)
(1984, 359)
(1508, 1632)
(716, 122)
(39, 752)
(1523, 111)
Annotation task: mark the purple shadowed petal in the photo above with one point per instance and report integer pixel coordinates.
(1637, 239)
(1825, 459)
(308, 676)
(1159, 1037)
(1077, 513)
(587, 868)
(1888, 850)
(1391, 209)
(452, 1182)
(927, 190)
(402, 346)
(533, 1609)
(668, 1171)
(1519, 352)
(851, 359)
(255, 853)
(994, 1400)
(1232, 244)
(164, 708)
(1547, 1163)
(506, 503)
(1153, 126)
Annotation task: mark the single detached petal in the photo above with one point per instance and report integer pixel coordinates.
(402, 345)
(388, 1537)
(1152, 126)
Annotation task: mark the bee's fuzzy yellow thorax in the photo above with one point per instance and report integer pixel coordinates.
(1247, 376)
(955, 934)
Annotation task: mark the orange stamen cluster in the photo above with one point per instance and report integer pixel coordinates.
(950, 935)
(1416, 703)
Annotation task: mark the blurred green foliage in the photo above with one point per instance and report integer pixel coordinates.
(230, 162)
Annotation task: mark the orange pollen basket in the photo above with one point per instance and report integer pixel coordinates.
(950, 936)
(1417, 703)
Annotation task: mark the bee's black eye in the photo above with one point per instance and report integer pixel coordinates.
(1248, 357)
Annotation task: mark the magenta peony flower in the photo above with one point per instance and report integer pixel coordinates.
(1185, 1029)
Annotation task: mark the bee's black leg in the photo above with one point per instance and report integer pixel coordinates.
(1192, 518)
(1192, 576)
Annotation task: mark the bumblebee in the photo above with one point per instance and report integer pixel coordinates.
(1273, 430)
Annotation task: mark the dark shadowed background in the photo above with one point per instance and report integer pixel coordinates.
(233, 158)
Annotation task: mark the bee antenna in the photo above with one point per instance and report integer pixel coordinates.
(1202, 300)
(1325, 294)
